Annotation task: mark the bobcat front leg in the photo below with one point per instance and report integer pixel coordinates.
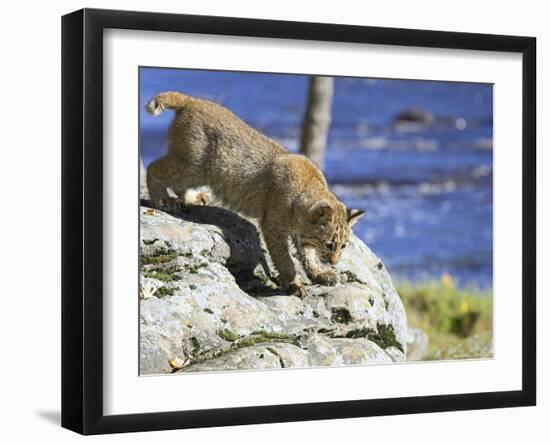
(276, 240)
(317, 271)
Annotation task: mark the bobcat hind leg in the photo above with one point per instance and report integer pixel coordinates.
(160, 177)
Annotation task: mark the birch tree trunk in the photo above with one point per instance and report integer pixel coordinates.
(317, 119)
(143, 191)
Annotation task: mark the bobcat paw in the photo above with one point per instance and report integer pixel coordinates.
(297, 289)
(328, 278)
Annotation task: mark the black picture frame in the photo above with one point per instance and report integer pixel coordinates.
(82, 218)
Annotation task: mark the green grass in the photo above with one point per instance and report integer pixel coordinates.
(228, 335)
(165, 291)
(452, 317)
(195, 267)
(341, 315)
(166, 275)
(383, 336)
(351, 277)
(160, 256)
(257, 337)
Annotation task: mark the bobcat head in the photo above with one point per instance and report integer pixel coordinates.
(327, 229)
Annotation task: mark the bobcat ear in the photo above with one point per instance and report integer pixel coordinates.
(354, 215)
(321, 212)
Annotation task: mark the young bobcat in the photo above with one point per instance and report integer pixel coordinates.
(252, 174)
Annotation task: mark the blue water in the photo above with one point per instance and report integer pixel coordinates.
(427, 191)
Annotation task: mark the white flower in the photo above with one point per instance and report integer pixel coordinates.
(178, 363)
(147, 290)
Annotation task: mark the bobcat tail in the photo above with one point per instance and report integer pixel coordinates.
(167, 100)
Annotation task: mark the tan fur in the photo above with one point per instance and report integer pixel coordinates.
(254, 175)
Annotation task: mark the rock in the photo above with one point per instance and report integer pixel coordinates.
(417, 344)
(206, 295)
(413, 119)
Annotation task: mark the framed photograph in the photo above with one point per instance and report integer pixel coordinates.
(269, 221)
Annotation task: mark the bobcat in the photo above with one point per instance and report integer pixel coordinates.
(254, 175)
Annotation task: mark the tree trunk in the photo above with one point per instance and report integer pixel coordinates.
(317, 119)
(143, 191)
